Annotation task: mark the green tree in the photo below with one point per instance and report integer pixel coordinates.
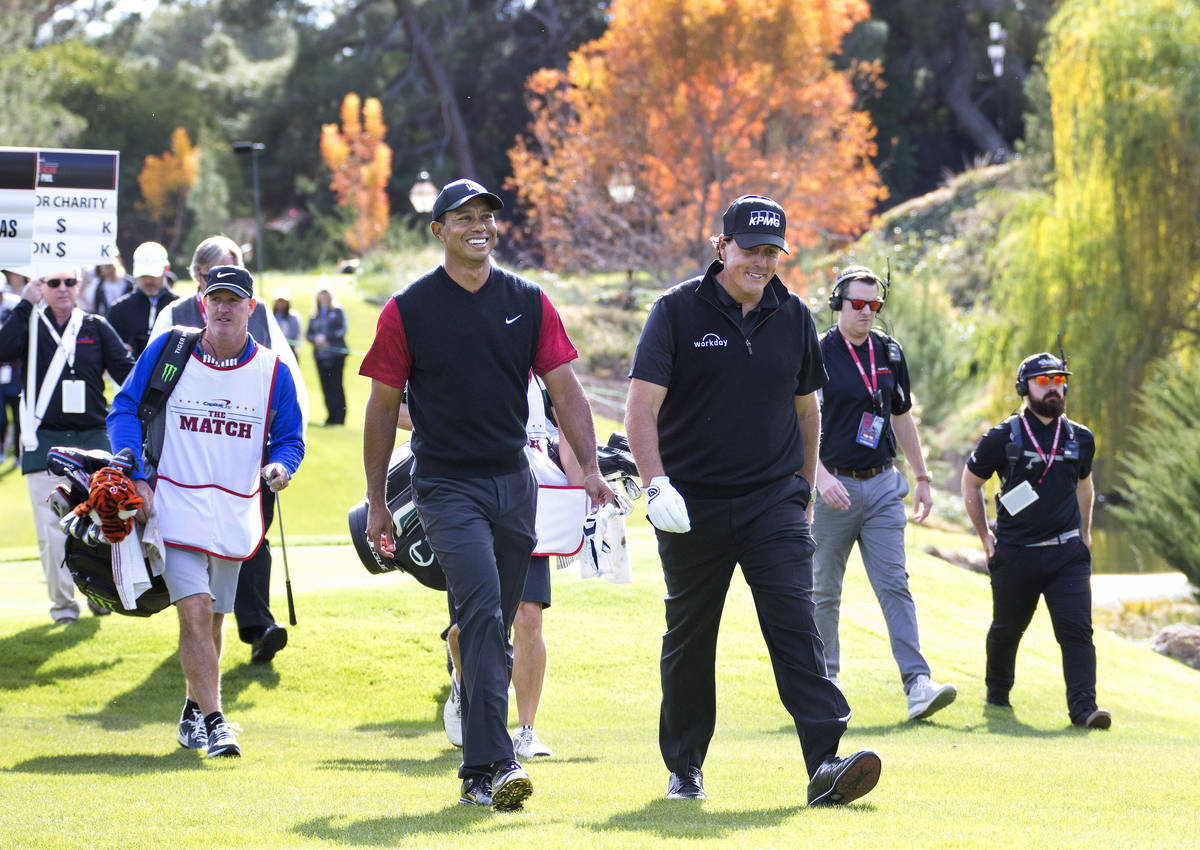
(1162, 469)
(29, 114)
(1109, 258)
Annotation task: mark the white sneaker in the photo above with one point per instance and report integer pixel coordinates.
(927, 696)
(222, 741)
(527, 745)
(452, 715)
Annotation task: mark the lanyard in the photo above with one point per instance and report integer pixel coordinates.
(153, 311)
(1049, 461)
(70, 333)
(872, 384)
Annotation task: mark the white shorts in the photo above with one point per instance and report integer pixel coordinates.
(188, 573)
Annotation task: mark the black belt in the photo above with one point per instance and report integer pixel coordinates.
(861, 474)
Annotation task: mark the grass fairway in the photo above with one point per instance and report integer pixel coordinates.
(344, 747)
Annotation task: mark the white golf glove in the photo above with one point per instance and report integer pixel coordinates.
(665, 507)
(595, 527)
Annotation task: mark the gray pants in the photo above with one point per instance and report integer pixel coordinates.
(482, 530)
(876, 520)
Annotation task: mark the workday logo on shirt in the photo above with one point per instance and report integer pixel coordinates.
(710, 340)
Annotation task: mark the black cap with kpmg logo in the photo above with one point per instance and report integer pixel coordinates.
(454, 195)
(754, 220)
(234, 278)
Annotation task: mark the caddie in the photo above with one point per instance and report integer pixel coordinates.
(232, 399)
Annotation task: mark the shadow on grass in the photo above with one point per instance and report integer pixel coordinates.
(1003, 721)
(386, 832)
(235, 681)
(110, 764)
(675, 819)
(27, 652)
(442, 764)
(156, 698)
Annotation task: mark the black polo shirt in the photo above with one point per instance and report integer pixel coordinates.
(845, 399)
(133, 316)
(1056, 510)
(728, 424)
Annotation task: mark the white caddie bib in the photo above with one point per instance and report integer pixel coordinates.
(561, 508)
(207, 494)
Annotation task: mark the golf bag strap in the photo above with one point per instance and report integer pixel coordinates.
(167, 371)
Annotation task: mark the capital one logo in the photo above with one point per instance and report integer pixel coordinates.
(764, 218)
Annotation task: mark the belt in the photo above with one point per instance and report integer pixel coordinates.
(1056, 541)
(862, 474)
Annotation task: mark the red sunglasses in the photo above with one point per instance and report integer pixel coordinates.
(859, 303)
(1044, 380)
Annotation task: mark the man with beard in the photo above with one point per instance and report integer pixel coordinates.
(1041, 545)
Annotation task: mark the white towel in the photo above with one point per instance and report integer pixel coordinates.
(129, 570)
(129, 560)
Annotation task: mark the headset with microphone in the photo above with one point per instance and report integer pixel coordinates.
(850, 274)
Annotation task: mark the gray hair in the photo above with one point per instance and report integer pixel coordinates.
(212, 250)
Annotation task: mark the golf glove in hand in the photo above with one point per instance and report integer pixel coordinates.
(665, 507)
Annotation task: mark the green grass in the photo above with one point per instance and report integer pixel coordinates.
(344, 747)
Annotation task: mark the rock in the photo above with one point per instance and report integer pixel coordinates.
(970, 558)
(1180, 641)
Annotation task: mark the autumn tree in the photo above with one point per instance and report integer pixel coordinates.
(1109, 256)
(699, 102)
(361, 164)
(165, 181)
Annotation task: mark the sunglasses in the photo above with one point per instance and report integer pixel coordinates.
(53, 282)
(859, 303)
(1046, 380)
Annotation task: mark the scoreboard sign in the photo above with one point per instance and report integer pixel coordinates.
(57, 208)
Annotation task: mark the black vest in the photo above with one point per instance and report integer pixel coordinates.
(471, 357)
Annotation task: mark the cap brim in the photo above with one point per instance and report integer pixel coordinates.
(495, 202)
(228, 287)
(753, 240)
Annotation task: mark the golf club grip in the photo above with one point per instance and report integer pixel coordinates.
(291, 602)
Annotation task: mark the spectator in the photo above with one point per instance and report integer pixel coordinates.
(133, 315)
(65, 353)
(288, 319)
(10, 372)
(109, 283)
(327, 333)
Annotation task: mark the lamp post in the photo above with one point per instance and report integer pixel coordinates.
(422, 196)
(253, 149)
(995, 52)
(621, 189)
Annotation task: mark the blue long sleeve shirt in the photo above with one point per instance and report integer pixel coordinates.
(285, 435)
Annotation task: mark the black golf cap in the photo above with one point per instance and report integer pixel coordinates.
(454, 195)
(1041, 364)
(234, 278)
(754, 220)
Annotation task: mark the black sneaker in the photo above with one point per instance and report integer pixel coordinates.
(193, 734)
(689, 786)
(511, 786)
(222, 740)
(840, 781)
(476, 791)
(273, 639)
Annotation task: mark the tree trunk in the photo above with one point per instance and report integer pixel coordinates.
(959, 78)
(456, 128)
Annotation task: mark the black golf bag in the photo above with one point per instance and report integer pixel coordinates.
(88, 556)
(413, 555)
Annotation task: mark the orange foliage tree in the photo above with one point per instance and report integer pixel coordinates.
(362, 165)
(165, 182)
(698, 101)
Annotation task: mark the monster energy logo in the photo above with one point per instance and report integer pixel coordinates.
(170, 370)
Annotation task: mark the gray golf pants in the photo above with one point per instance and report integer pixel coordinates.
(875, 520)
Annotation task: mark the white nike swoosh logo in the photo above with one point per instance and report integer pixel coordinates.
(513, 319)
(224, 274)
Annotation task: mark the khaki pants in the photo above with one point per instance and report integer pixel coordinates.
(52, 542)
